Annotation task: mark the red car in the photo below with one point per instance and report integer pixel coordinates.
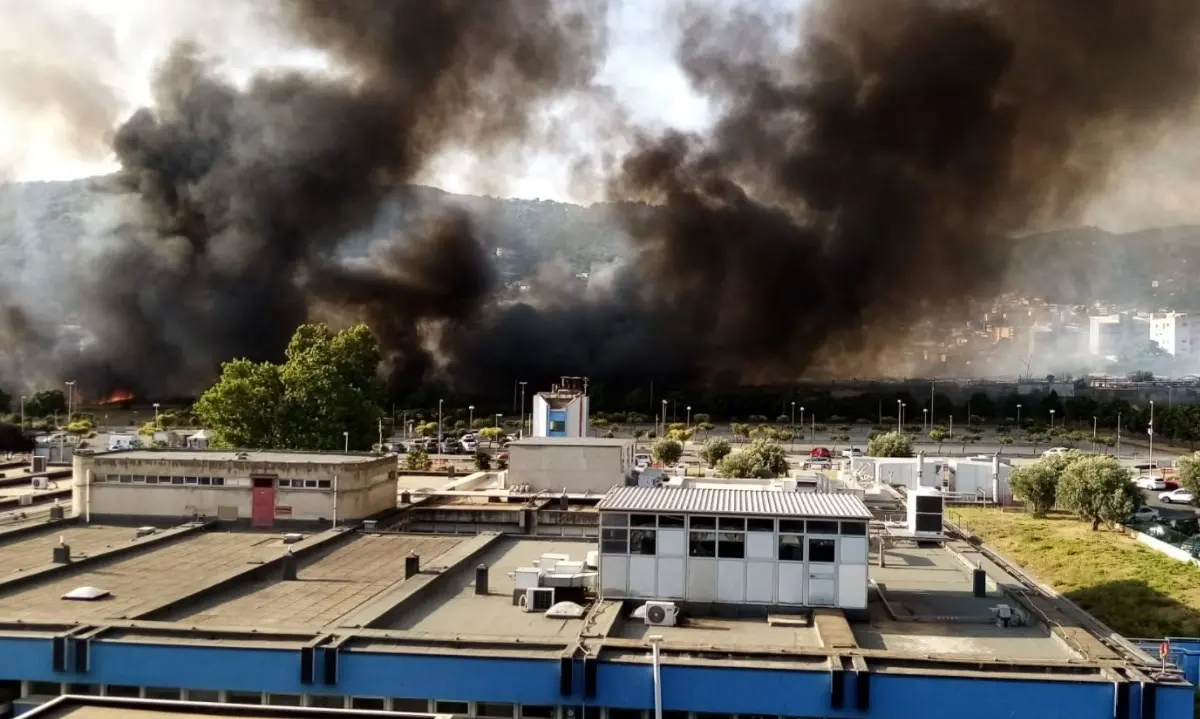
(820, 453)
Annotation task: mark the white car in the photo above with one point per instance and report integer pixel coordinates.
(641, 460)
(1144, 514)
(852, 452)
(1148, 482)
(1055, 451)
(1179, 496)
(469, 444)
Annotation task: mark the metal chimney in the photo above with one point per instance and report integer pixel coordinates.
(481, 579)
(62, 552)
(412, 565)
(289, 566)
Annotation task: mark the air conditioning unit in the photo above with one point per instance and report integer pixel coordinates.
(40, 483)
(25, 500)
(661, 614)
(537, 599)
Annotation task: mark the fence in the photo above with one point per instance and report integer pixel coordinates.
(1182, 652)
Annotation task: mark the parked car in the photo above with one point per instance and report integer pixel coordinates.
(1149, 482)
(818, 463)
(1144, 514)
(469, 444)
(1055, 451)
(641, 461)
(852, 452)
(1179, 496)
(824, 452)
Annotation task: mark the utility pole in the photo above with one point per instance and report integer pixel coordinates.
(1150, 431)
(522, 432)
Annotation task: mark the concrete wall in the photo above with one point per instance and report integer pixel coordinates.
(575, 468)
(110, 485)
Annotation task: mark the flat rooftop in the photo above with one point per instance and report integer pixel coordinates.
(418, 593)
(571, 442)
(222, 455)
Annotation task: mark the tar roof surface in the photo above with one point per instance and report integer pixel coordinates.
(755, 501)
(199, 455)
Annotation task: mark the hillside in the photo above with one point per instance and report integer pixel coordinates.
(1151, 268)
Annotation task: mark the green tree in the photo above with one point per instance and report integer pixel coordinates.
(714, 450)
(740, 430)
(763, 459)
(418, 460)
(1036, 485)
(1187, 470)
(46, 403)
(483, 461)
(702, 418)
(491, 434)
(681, 434)
(937, 435)
(327, 386)
(891, 444)
(704, 427)
(1098, 489)
(668, 451)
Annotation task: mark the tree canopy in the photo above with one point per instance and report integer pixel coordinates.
(1098, 489)
(1037, 485)
(714, 450)
(763, 459)
(46, 403)
(327, 386)
(668, 451)
(891, 444)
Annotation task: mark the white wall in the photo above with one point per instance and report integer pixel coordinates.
(576, 468)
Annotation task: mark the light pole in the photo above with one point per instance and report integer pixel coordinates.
(793, 418)
(498, 416)
(1118, 435)
(664, 419)
(155, 415)
(346, 437)
(62, 438)
(689, 416)
(522, 410)
(470, 417)
(802, 421)
(1052, 420)
(925, 420)
(1150, 431)
(903, 406)
(381, 431)
(899, 411)
(1095, 426)
(1018, 416)
(22, 412)
(439, 452)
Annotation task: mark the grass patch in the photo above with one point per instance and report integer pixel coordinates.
(1131, 588)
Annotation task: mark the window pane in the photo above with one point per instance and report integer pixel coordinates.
(643, 520)
(732, 524)
(82, 689)
(791, 548)
(419, 706)
(854, 529)
(703, 522)
(115, 690)
(490, 709)
(702, 544)
(818, 526)
(642, 541)
(284, 700)
(624, 714)
(243, 698)
(327, 702)
(732, 545)
(53, 689)
(443, 707)
(530, 711)
(161, 693)
(760, 525)
(614, 519)
(203, 695)
(366, 703)
(791, 526)
(671, 520)
(821, 550)
(614, 541)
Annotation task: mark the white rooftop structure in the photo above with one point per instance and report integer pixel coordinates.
(742, 502)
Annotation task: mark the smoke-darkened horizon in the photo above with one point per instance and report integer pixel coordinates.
(857, 184)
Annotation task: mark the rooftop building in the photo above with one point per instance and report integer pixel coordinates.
(563, 411)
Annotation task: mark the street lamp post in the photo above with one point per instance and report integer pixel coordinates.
(1051, 419)
(899, 411)
(1118, 435)
(22, 412)
(498, 416)
(689, 416)
(470, 416)
(1150, 431)
(155, 415)
(925, 420)
(664, 420)
(62, 438)
(381, 431)
(801, 423)
(522, 433)
(346, 437)
(1018, 416)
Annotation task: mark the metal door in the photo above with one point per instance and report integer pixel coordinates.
(262, 502)
(822, 582)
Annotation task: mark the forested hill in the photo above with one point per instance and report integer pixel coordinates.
(1149, 269)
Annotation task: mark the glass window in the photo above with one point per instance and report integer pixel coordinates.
(218, 481)
(624, 714)
(614, 519)
(702, 544)
(791, 547)
(822, 550)
(310, 484)
(176, 480)
(206, 480)
(284, 482)
(50, 689)
(791, 526)
(324, 484)
(674, 715)
(367, 703)
(418, 706)
(243, 697)
(139, 479)
(674, 521)
(642, 541)
(558, 425)
(160, 693)
(191, 480)
(614, 541)
(854, 529)
(117, 690)
(326, 702)
(530, 711)
(820, 526)
(703, 522)
(151, 480)
(82, 689)
(443, 707)
(732, 545)
(492, 709)
(284, 700)
(643, 520)
(732, 524)
(757, 524)
(125, 479)
(203, 695)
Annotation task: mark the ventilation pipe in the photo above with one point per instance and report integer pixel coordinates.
(335, 499)
(655, 640)
(62, 552)
(562, 501)
(481, 579)
(921, 468)
(996, 478)
(289, 566)
(87, 499)
(412, 565)
(405, 497)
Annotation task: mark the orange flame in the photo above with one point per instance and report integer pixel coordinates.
(117, 396)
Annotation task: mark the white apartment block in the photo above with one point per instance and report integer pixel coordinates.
(1175, 333)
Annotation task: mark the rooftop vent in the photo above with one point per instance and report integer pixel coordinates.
(292, 537)
(87, 594)
(145, 531)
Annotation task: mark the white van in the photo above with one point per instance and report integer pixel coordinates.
(121, 441)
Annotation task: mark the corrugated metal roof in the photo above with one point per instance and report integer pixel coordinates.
(745, 502)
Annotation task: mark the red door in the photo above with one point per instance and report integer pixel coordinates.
(262, 502)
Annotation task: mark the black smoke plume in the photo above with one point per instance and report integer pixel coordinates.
(857, 183)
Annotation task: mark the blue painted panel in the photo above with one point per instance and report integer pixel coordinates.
(893, 696)
(1174, 702)
(518, 681)
(716, 690)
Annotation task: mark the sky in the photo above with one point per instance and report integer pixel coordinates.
(70, 70)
